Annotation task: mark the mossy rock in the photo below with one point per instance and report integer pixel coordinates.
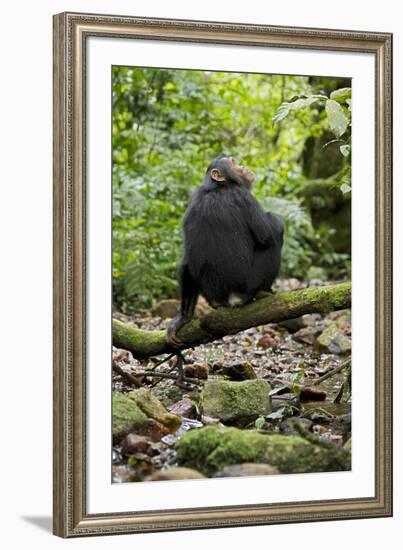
(126, 417)
(168, 395)
(236, 402)
(213, 448)
(332, 340)
(239, 370)
(153, 408)
(174, 473)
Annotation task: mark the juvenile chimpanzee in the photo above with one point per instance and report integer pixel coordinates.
(232, 246)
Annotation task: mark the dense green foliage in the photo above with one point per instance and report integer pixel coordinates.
(169, 124)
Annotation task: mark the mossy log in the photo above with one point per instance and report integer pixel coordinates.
(218, 323)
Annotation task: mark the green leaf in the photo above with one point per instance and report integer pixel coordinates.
(338, 121)
(345, 150)
(296, 390)
(345, 188)
(341, 95)
(277, 415)
(298, 104)
(259, 423)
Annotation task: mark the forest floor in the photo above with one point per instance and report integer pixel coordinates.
(290, 357)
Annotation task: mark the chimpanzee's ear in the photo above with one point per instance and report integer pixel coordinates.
(217, 176)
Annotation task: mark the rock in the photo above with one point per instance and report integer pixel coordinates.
(185, 407)
(239, 370)
(133, 444)
(247, 469)
(166, 309)
(342, 424)
(332, 340)
(266, 342)
(155, 430)
(121, 356)
(285, 399)
(289, 425)
(348, 445)
(202, 308)
(306, 335)
(332, 438)
(126, 417)
(153, 408)
(236, 402)
(213, 448)
(207, 420)
(196, 370)
(175, 473)
(122, 473)
(318, 415)
(310, 393)
(168, 394)
(292, 325)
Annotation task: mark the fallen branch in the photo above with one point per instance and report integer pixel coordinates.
(332, 372)
(218, 323)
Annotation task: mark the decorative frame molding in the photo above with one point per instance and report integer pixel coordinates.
(69, 446)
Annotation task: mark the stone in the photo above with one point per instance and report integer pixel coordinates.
(288, 399)
(306, 335)
(332, 340)
(247, 469)
(348, 445)
(122, 473)
(289, 425)
(185, 407)
(196, 370)
(310, 393)
(155, 430)
(153, 408)
(214, 448)
(175, 473)
(133, 444)
(126, 417)
(168, 394)
(236, 402)
(266, 342)
(239, 370)
(166, 309)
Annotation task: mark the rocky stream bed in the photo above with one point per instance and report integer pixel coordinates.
(268, 400)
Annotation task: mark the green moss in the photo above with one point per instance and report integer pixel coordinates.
(142, 343)
(273, 309)
(212, 448)
(153, 408)
(236, 401)
(126, 417)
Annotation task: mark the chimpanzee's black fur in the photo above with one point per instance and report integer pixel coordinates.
(232, 246)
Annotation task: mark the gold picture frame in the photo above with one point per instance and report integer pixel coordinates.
(71, 31)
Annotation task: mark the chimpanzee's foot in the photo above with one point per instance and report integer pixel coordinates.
(172, 339)
(173, 328)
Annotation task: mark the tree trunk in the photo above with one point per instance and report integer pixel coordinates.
(218, 323)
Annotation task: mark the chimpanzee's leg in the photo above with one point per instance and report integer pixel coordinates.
(189, 295)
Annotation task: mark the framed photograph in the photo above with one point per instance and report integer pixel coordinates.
(222, 274)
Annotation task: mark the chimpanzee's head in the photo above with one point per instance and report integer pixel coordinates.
(224, 171)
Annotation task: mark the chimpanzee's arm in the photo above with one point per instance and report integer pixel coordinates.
(260, 224)
(189, 295)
